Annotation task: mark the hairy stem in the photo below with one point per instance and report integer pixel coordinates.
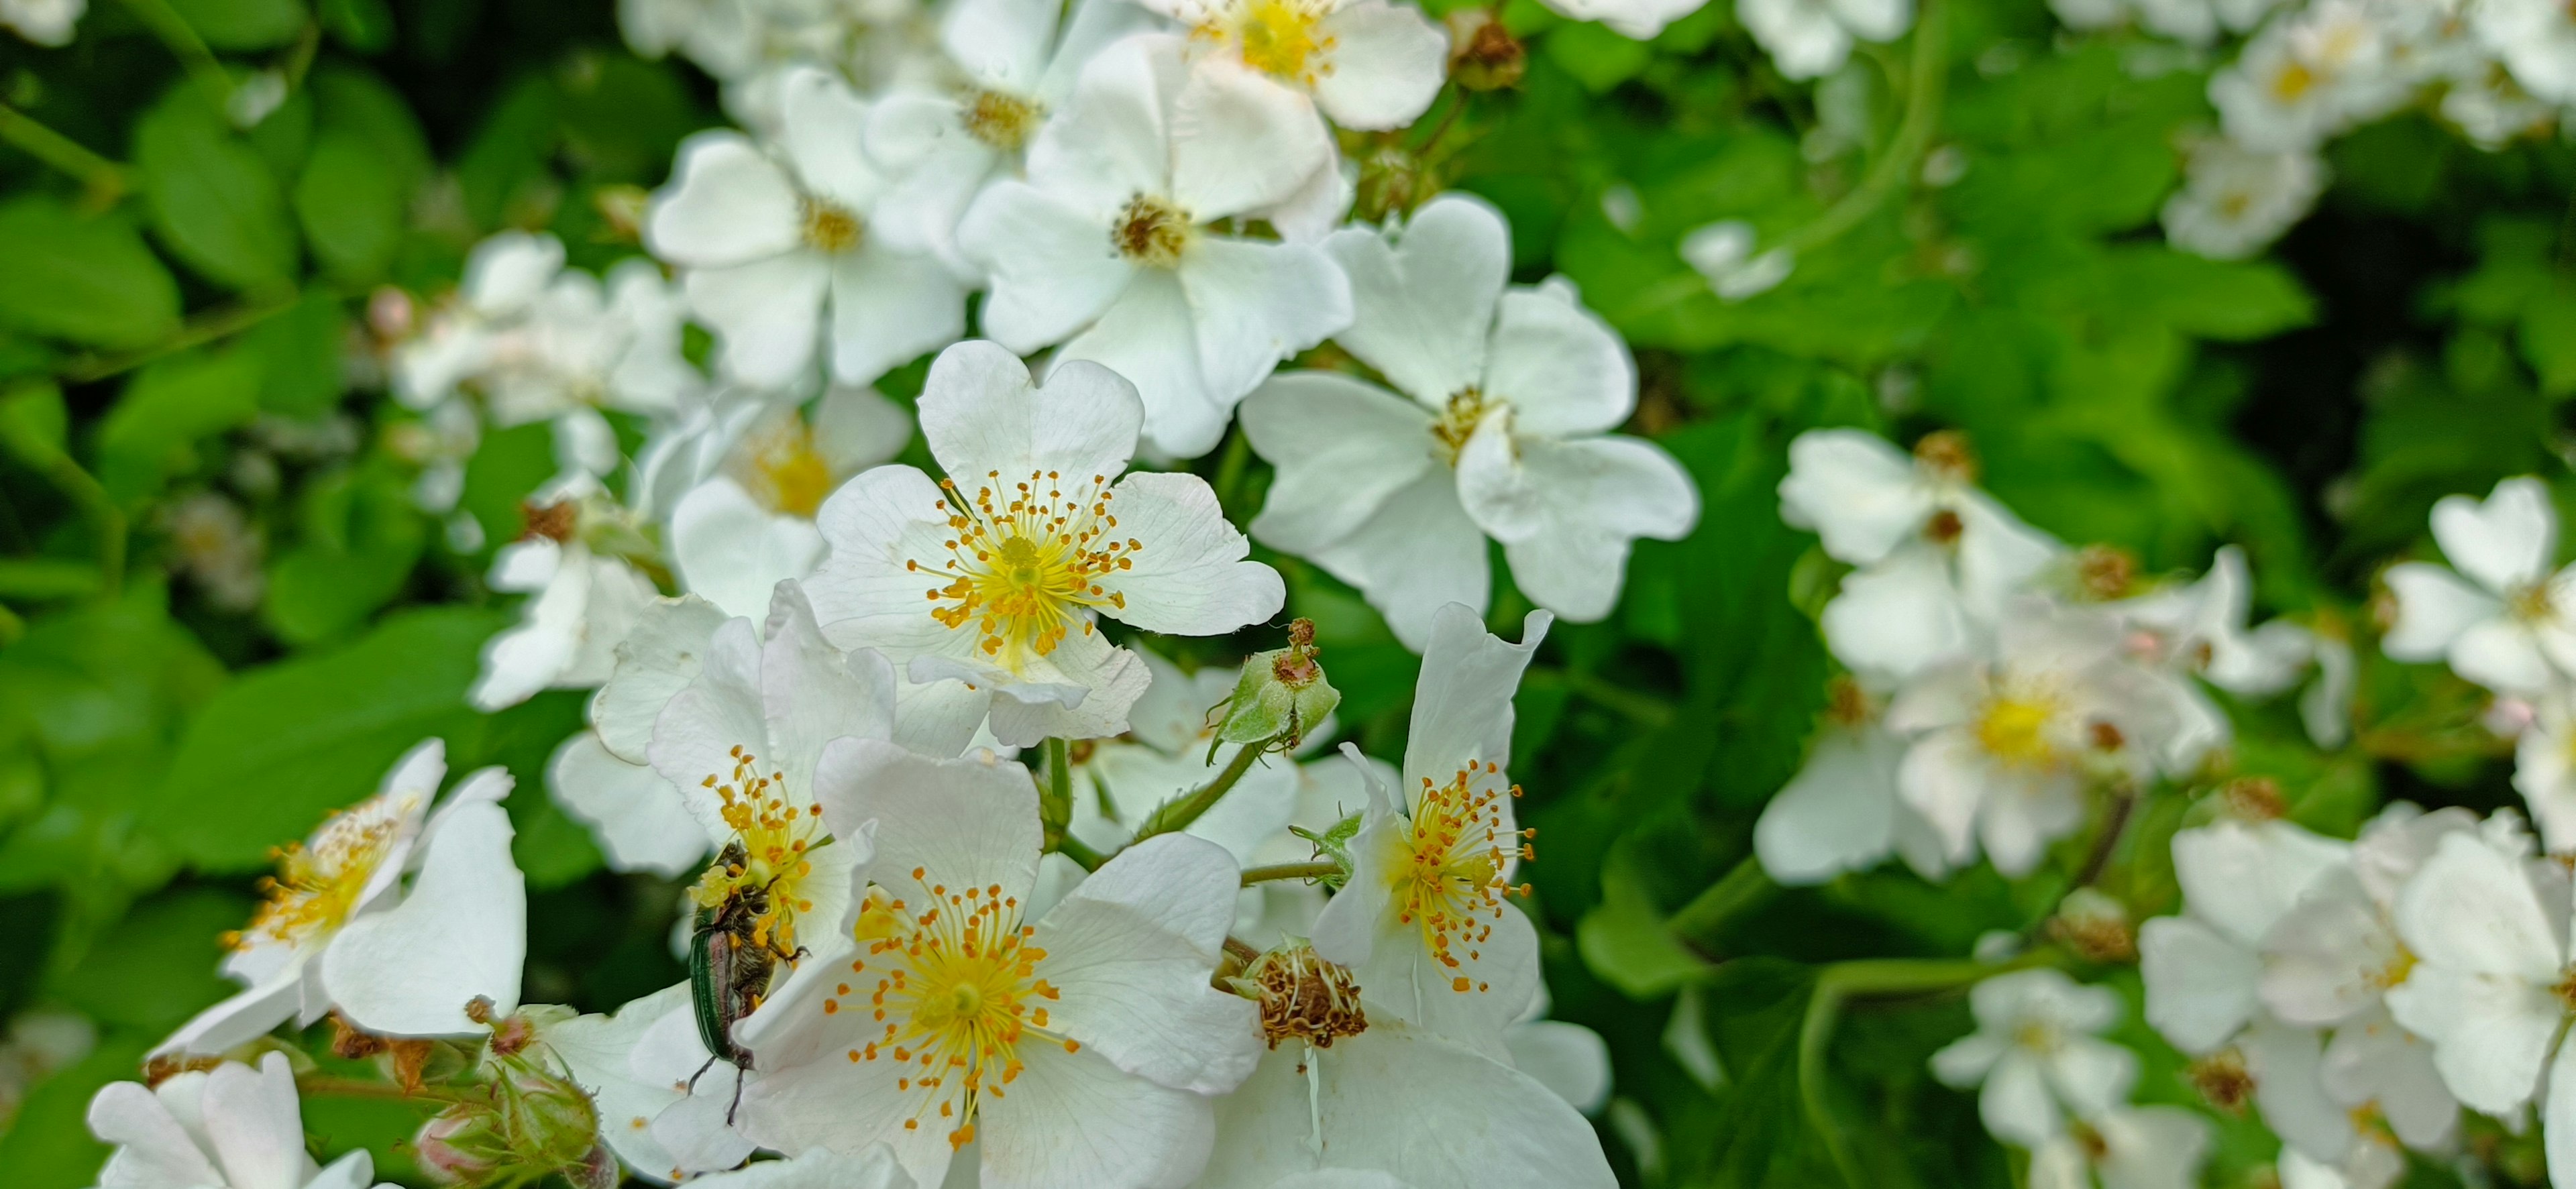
(1318, 869)
(327, 1086)
(1178, 813)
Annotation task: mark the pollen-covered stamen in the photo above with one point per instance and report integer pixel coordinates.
(2533, 602)
(952, 989)
(828, 227)
(1945, 454)
(316, 888)
(1458, 421)
(1305, 998)
(1026, 562)
(1281, 38)
(2013, 728)
(776, 839)
(1001, 120)
(1449, 884)
(1152, 232)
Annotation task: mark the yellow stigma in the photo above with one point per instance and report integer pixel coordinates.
(1448, 880)
(1025, 565)
(1282, 38)
(317, 887)
(1002, 121)
(955, 990)
(829, 228)
(2014, 730)
(1152, 232)
(776, 838)
(1457, 423)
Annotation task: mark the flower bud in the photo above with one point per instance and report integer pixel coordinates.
(1391, 180)
(528, 1121)
(1283, 694)
(1487, 57)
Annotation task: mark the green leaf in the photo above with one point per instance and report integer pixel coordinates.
(351, 205)
(1595, 55)
(147, 437)
(366, 26)
(2548, 336)
(292, 741)
(48, 1145)
(242, 24)
(1624, 940)
(213, 199)
(355, 101)
(2217, 299)
(362, 535)
(88, 279)
(158, 966)
(299, 349)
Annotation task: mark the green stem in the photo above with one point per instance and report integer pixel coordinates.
(1844, 981)
(1319, 869)
(1055, 801)
(1645, 708)
(325, 1085)
(205, 328)
(1230, 470)
(191, 50)
(104, 179)
(1928, 75)
(1739, 891)
(1080, 852)
(1178, 813)
(106, 519)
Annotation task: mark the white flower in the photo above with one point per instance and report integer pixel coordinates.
(612, 1058)
(2510, 617)
(2537, 42)
(1639, 19)
(735, 536)
(585, 600)
(2195, 633)
(2004, 750)
(1368, 64)
(231, 1127)
(2544, 771)
(339, 930)
(787, 457)
(1077, 1052)
(1812, 38)
(1015, 65)
(874, 1168)
(2235, 201)
(1842, 811)
(994, 576)
(44, 22)
(1165, 753)
(1512, 391)
(1423, 922)
(2035, 1054)
(766, 244)
(1723, 253)
(2140, 1147)
(2306, 77)
(1939, 557)
(1107, 249)
(1416, 1110)
(2202, 969)
(2488, 928)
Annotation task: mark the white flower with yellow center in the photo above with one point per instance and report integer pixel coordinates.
(1813, 38)
(1108, 247)
(2036, 1056)
(2507, 618)
(1504, 435)
(1368, 64)
(2004, 750)
(1015, 63)
(586, 600)
(229, 1127)
(1077, 1050)
(766, 243)
(1637, 19)
(339, 929)
(1842, 811)
(2127, 1147)
(748, 522)
(1424, 922)
(2235, 201)
(994, 576)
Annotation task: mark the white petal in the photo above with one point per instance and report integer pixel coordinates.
(1005, 42)
(1858, 492)
(732, 552)
(1074, 1121)
(1944, 778)
(659, 658)
(2502, 655)
(2558, 1120)
(1148, 337)
(460, 934)
(256, 1125)
(2091, 1076)
(965, 822)
(1253, 304)
(823, 127)
(2241, 877)
(1838, 814)
(1569, 1059)
(1561, 367)
(700, 731)
(982, 413)
(1418, 554)
(596, 1049)
(1109, 144)
(638, 817)
(2505, 541)
(768, 314)
(1595, 497)
(1130, 950)
(2016, 1104)
(889, 308)
(1998, 556)
(1342, 448)
(2490, 1034)
(1240, 141)
(2471, 909)
(241, 1018)
(2325, 958)
(811, 693)
(845, 1107)
(1462, 704)
(728, 204)
(1899, 617)
(152, 1149)
(2433, 607)
(1423, 298)
(1052, 267)
(1387, 62)
(1192, 577)
(875, 1168)
(2284, 1063)
(509, 271)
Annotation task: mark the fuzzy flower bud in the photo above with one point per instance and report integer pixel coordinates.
(1282, 695)
(1486, 56)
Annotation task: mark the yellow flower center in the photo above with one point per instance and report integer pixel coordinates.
(2532, 602)
(2014, 730)
(955, 990)
(775, 838)
(2292, 81)
(317, 887)
(1449, 881)
(1025, 564)
(1152, 232)
(786, 473)
(1001, 120)
(2400, 965)
(1457, 423)
(1282, 38)
(829, 228)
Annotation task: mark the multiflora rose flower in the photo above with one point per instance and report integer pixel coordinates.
(1501, 432)
(995, 575)
(229, 1127)
(2506, 618)
(1077, 1049)
(340, 930)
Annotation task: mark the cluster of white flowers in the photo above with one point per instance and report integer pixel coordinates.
(2000, 686)
(2308, 70)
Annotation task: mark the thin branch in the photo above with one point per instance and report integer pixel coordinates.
(104, 179)
(1178, 813)
(1319, 869)
(202, 329)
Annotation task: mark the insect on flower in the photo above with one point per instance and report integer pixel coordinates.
(733, 954)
